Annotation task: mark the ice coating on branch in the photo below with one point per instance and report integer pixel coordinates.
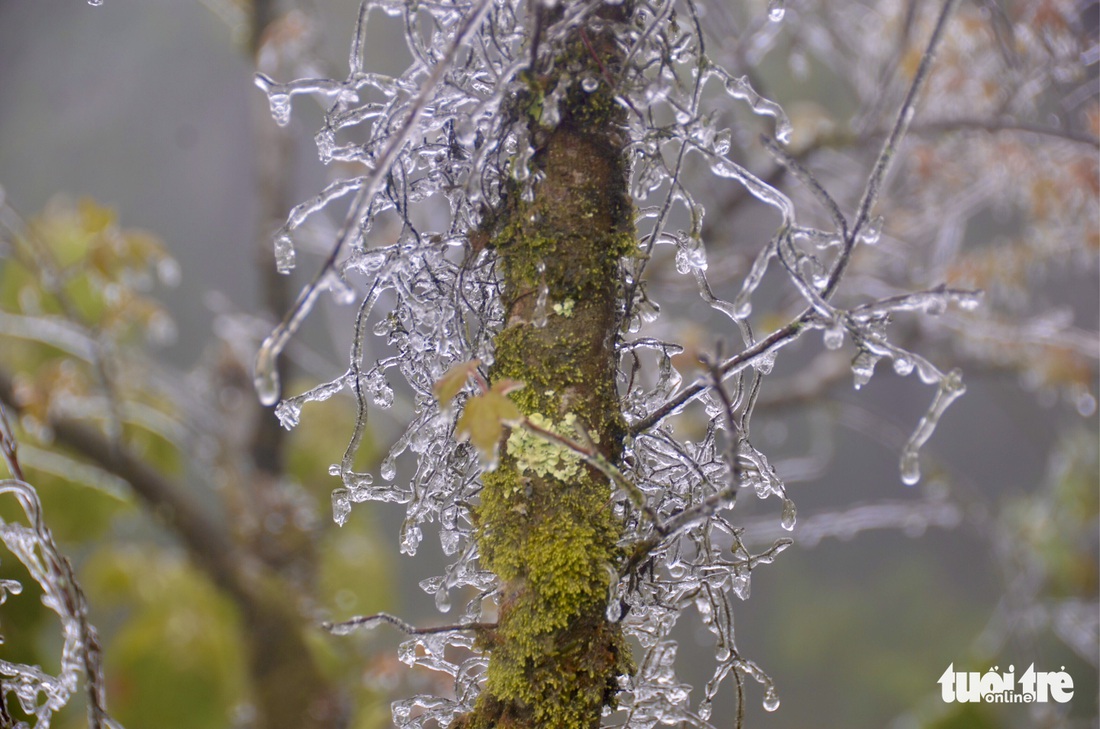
(740, 88)
(39, 694)
(951, 387)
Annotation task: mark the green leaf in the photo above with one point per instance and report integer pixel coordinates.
(453, 380)
(482, 421)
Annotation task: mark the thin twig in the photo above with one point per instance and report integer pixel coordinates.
(806, 178)
(889, 148)
(735, 433)
(367, 622)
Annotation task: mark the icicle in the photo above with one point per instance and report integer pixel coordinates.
(834, 335)
(951, 387)
(790, 515)
(278, 99)
(863, 367)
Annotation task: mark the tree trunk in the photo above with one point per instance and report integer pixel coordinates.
(545, 523)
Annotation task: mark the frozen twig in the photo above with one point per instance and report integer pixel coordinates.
(368, 622)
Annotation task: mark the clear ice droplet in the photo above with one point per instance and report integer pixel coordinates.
(341, 506)
(910, 467)
(872, 231)
(903, 366)
(280, 108)
(771, 699)
(790, 515)
(284, 254)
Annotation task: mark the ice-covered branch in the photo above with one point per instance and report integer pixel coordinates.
(39, 694)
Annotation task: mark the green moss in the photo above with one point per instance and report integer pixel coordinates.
(552, 545)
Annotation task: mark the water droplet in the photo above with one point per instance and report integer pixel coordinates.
(742, 584)
(903, 366)
(834, 336)
(590, 84)
(871, 232)
(388, 469)
(284, 254)
(790, 515)
(341, 506)
(776, 11)
(863, 367)
(771, 699)
(280, 108)
(95, 3)
(1086, 404)
(442, 600)
(910, 467)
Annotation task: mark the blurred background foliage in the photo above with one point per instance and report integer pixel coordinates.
(146, 111)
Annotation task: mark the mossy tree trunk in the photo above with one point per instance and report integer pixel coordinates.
(546, 527)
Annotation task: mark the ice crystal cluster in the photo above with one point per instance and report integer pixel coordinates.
(436, 148)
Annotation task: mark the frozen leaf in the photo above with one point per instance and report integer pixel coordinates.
(483, 419)
(453, 380)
